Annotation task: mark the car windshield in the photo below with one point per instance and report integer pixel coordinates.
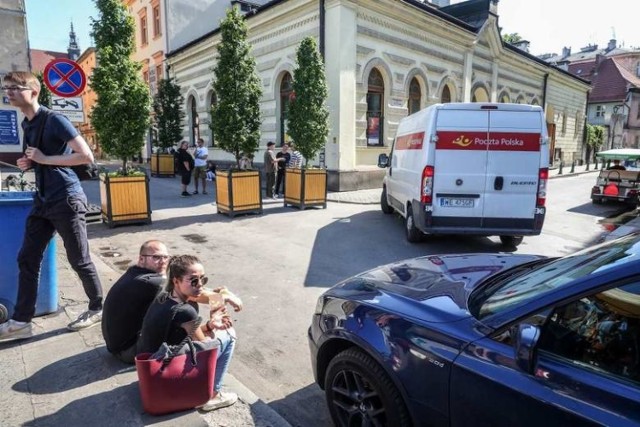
(526, 284)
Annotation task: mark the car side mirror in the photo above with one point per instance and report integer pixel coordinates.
(383, 161)
(524, 345)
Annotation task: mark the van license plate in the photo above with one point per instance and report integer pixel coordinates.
(447, 202)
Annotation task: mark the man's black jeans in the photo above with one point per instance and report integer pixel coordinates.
(280, 180)
(67, 217)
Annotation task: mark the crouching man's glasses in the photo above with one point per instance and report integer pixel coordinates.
(157, 258)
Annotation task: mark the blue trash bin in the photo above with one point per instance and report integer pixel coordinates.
(14, 209)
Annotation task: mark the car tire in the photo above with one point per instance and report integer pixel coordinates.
(511, 241)
(384, 204)
(413, 234)
(359, 392)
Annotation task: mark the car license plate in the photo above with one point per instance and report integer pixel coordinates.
(448, 202)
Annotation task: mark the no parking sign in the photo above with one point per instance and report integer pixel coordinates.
(64, 77)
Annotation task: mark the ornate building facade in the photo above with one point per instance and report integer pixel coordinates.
(384, 60)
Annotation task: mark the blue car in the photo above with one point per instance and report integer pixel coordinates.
(485, 340)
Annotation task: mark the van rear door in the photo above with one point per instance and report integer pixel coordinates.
(460, 167)
(513, 168)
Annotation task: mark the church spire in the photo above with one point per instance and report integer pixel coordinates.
(73, 50)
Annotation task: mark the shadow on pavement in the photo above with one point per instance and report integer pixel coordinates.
(603, 210)
(118, 407)
(383, 237)
(310, 397)
(69, 373)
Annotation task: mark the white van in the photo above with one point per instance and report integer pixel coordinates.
(469, 168)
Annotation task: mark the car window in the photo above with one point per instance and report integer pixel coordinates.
(601, 332)
(545, 277)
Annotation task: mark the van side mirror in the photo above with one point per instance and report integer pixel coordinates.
(524, 344)
(383, 161)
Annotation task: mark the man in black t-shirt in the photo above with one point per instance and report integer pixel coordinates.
(129, 299)
(184, 163)
(282, 167)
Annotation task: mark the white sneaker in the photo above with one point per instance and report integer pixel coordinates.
(12, 330)
(86, 320)
(222, 400)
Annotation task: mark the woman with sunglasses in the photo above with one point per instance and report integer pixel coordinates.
(174, 314)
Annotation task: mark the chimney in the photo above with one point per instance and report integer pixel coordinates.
(611, 45)
(566, 51)
(522, 45)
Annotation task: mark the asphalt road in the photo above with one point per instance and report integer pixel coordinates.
(281, 261)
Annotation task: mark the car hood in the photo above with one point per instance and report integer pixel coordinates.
(431, 288)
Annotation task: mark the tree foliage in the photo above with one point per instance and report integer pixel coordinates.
(595, 135)
(511, 38)
(308, 113)
(45, 94)
(121, 114)
(235, 118)
(167, 106)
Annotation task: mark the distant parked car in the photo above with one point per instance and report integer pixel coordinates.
(485, 340)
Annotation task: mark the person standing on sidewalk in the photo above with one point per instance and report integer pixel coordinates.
(53, 145)
(185, 165)
(129, 299)
(296, 157)
(284, 157)
(200, 166)
(270, 163)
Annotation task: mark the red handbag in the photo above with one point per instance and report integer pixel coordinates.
(178, 382)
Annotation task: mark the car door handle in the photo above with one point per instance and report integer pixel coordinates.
(498, 183)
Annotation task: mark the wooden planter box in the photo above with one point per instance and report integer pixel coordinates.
(238, 192)
(305, 188)
(125, 200)
(163, 165)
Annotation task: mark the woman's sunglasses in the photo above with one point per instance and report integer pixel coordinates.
(198, 279)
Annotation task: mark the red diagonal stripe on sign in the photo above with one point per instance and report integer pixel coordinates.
(64, 77)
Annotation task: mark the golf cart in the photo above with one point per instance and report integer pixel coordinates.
(618, 184)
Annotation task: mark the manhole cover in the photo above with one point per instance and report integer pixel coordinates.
(111, 254)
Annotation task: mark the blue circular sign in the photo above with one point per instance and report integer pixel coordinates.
(64, 77)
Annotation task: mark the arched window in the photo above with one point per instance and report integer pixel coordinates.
(286, 93)
(446, 95)
(375, 112)
(414, 96)
(195, 121)
(213, 101)
(504, 98)
(480, 95)
(520, 100)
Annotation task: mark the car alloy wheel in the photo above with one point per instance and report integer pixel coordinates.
(359, 393)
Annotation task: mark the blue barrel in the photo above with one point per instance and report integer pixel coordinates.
(14, 209)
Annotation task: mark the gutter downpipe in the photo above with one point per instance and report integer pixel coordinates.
(322, 29)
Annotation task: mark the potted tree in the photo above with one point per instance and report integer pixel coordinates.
(308, 127)
(120, 116)
(167, 106)
(235, 118)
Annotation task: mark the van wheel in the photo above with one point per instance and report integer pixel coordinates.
(384, 204)
(413, 234)
(511, 241)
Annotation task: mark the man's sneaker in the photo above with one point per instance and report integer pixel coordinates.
(195, 192)
(222, 400)
(12, 330)
(86, 320)
(185, 194)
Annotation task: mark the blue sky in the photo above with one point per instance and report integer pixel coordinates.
(48, 23)
(548, 24)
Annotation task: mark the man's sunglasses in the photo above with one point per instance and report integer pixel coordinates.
(157, 258)
(197, 279)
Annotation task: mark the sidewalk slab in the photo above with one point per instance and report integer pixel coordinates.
(68, 378)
